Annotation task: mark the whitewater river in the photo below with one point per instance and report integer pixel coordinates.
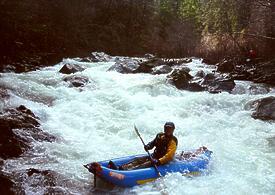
(96, 123)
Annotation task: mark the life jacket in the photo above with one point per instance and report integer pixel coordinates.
(165, 147)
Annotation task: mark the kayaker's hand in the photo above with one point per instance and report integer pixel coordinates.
(146, 147)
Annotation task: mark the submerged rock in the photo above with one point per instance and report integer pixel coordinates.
(19, 127)
(71, 68)
(264, 108)
(76, 81)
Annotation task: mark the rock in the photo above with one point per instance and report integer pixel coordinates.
(175, 62)
(221, 84)
(210, 61)
(19, 127)
(6, 185)
(196, 87)
(264, 108)
(200, 74)
(11, 144)
(149, 56)
(131, 65)
(218, 84)
(208, 78)
(71, 68)
(256, 71)
(163, 69)
(125, 66)
(225, 66)
(180, 78)
(86, 59)
(44, 182)
(99, 57)
(76, 81)
(147, 66)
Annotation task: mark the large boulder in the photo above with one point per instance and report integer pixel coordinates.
(76, 81)
(147, 66)
(225, 66)
(71, 68)
(19, 127)
(179, 78)
(221, 84)
(264, 108)
(125, 65)
(217, 84)
(100, 57)
(6, 185)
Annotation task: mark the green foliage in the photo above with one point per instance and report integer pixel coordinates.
(220, 16)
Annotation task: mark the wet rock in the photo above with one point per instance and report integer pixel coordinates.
(200, 74)
(196, 87)
(176, 62)
(71, 68)
(4, 95)
(19, 127)
(256, 70)
(44, 182)
(210, 61)
(225, 66)
(11, 145)
(218, 84)
(147, 66)
(264, 108)
(86, 59)
(77, 81)
(163, 69)
(180, 78)
(125, 66)
(6, 185)
(221, 84)
(149, 56)
(100, 57)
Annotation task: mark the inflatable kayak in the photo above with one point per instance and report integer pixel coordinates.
(190, 163)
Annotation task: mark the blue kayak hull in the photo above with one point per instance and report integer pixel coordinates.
(130, 178)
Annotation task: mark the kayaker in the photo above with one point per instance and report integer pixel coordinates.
(165, 144)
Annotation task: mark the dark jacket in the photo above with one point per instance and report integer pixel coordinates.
(165, 147)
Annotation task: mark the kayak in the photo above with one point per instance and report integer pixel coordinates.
(192, 162)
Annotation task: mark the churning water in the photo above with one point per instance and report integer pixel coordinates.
(96, 123)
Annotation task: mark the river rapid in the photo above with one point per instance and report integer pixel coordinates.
(96, 123)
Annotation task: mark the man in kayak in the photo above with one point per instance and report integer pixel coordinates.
(165, 148)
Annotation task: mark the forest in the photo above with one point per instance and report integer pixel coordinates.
(43, 31)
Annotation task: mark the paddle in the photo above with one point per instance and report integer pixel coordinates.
(159, 174)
